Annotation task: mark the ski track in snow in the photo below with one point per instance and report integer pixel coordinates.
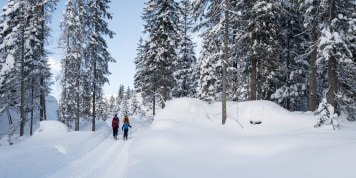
(108, 159)
(104, 157)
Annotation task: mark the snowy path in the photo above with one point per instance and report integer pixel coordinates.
(107, 159)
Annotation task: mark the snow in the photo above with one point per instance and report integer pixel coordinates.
(187, 139)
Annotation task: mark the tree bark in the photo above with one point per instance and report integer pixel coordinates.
(332, 61)
(77, 101)
(225, 59)
(22, 85)
(42, 89)
(94, 96)
(254, 78)
(312, 75)
(154, 105)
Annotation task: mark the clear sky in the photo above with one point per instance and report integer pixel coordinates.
(128, 26)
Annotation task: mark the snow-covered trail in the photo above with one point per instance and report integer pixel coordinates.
(105, 159)
(109, 158)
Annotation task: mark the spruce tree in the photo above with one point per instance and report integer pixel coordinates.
(163, 31)
(96, 54)
(72, 74)
(292, 92)
(183, 66)
(210, 61)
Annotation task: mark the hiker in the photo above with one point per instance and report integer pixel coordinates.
(125, 126)
(115, 126)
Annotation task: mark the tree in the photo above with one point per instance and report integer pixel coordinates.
(135, 105)
(125, 104)
(225, 59)
(72, 71)
(164, 34)
(209, 14)
(183, 66)
(111, 106)
(96, 52)
(24, 32)
(336, 49)
(333, 51)
(311, 19)
(292, 93)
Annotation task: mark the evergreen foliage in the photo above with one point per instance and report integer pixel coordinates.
(25, 74)
(287, 51)
(162, 25)
(85, 62)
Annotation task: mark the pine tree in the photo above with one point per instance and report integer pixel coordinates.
(312, 16)
(333, 24)
(325, 114)
(125, 105)
(139, 59)
(135, 108)
(24, 32)
(111, 106)
(164, 34)
(96, 54)
(210, 61)
(293, 90)
(183, 65)
(13, 47)
(336, 48)
(72, 73)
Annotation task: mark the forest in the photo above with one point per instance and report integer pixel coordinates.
(299, 54)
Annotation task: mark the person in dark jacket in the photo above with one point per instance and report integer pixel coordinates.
(125, 127)
(115, 126)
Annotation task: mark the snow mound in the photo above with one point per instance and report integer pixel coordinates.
(269, 114)
(51, 128)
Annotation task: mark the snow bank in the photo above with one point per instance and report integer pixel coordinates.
(187, 140)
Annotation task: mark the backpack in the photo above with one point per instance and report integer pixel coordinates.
(115, 122)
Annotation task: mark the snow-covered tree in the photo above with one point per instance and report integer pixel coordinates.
(164, 34)
(97, 56)
(211, 18)
(336, 53)
(139, 59)
(183, 66)
(125, 105)
(111, 105)
(24, 32)
(72, 74)
(86, 58)
(333, 54)
(135, 108)
(325, 114)
(292, 92)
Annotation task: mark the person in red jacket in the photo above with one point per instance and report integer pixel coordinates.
(115, 126)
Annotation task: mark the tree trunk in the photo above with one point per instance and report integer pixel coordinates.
(32, 107)
(22, 86)
(164, 95)
(225, 59)
(332, 61)
(254, 78)
(154, 105)
(312, 76)
(42, 89)
(77, 112)
(94, 95)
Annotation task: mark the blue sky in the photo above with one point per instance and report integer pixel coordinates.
(128, 26)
